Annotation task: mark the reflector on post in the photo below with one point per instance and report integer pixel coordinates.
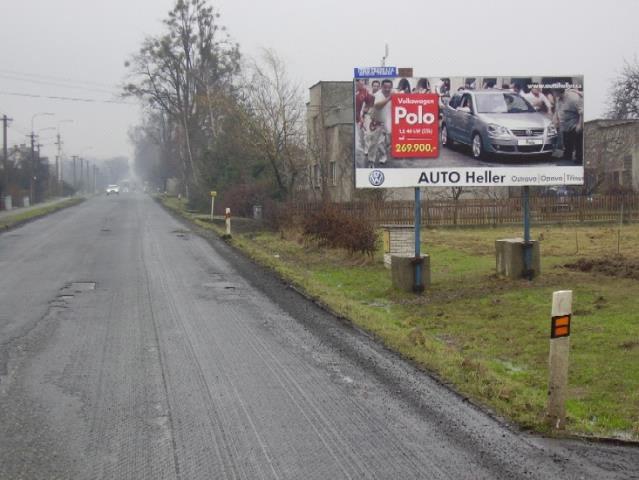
(560, 326)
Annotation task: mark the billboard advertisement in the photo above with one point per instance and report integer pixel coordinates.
(467, 131)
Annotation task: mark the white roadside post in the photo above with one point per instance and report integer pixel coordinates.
(213, 195)
(227, 217)
(558, 358)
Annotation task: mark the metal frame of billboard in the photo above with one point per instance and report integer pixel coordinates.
(458, 167)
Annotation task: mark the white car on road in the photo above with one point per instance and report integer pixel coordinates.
(113, 189)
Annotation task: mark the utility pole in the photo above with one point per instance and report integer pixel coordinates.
(385, 55)
(5, 156)
(81, 175)
(33, 135)
(59, 167)
(75, 178)
(94, 177)
(32, 169)
(36, 173)
(60, 161)
(88, 184)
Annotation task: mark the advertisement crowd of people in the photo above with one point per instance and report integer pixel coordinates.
(562, 102)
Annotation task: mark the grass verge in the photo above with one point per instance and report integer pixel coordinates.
(19, 218)
(487, 336)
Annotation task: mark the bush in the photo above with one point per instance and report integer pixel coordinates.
(277, 215)
(241, 198)
(331, 228)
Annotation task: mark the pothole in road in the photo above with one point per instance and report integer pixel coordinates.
(79, 287)
(221, 286)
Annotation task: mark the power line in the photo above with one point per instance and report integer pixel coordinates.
(56, 84)
(67, 99)
(19, 130)
(51, 77)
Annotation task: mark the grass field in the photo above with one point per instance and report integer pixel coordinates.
(486, 336)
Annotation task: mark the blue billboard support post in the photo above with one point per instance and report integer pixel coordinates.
(418, 287)
(528, 272)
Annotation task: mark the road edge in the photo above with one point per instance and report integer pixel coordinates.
(298, 289)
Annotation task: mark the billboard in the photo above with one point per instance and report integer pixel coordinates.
(467, 131)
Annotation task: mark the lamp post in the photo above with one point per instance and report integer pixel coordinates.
(32, 169)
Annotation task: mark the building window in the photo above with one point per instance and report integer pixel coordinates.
(616, 179)
(317, 176)
(332, 174)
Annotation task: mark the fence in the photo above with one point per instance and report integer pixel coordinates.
(489, 212)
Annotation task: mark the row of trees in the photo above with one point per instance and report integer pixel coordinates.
(211, 118)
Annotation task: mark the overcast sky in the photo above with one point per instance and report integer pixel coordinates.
(77, 49)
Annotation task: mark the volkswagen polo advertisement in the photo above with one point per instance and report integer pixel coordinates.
(467, 131)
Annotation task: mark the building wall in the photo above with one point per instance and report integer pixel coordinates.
(611, 149)
(329, 121)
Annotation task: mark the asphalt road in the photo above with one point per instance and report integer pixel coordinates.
(131, 348)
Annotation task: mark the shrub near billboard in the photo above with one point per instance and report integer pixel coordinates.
(467, 131)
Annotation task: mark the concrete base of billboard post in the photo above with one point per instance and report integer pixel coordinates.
(399, 240)
(509, 253)
(403, 272)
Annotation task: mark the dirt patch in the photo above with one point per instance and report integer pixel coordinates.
(617, 266)
(629, 345)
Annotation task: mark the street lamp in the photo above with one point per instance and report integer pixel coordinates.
(41, 114)
(32, 172)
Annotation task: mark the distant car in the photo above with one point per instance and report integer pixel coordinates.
(113, 189)
(498, 122)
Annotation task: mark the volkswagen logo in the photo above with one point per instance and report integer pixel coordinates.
(376, 178)
(529, 133)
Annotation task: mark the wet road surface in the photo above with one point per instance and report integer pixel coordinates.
(131, 348)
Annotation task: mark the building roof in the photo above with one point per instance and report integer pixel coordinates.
(608, 122)
(350, 82)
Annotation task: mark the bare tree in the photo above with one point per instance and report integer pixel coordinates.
(179, 72)
(155, 148)
(275, 117)
(624, 98)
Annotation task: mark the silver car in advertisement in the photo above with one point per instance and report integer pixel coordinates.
(497, 122)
